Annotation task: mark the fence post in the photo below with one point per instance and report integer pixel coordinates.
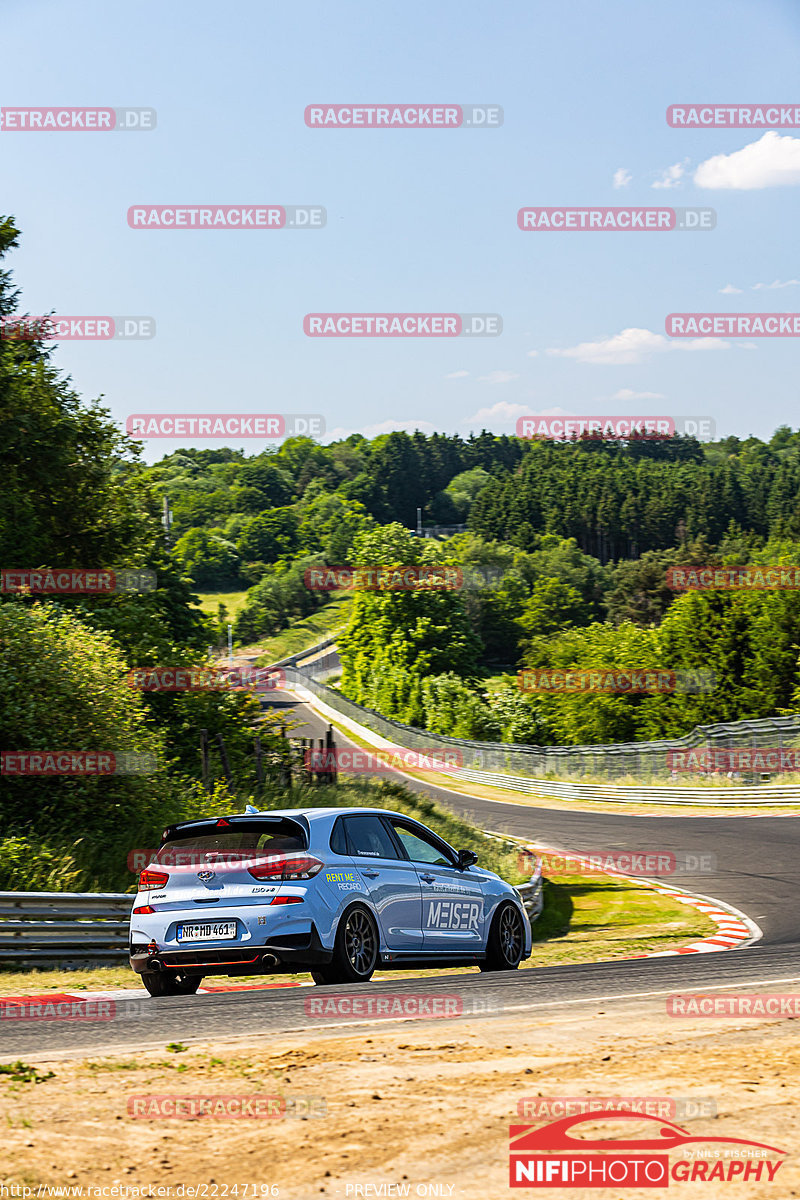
(204, 759)
(226, 766)
(259, 767)
(330, 748)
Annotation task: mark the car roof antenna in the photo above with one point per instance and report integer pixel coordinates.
(250, 809)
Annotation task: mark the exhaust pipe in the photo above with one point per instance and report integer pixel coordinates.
(269, 960)
(154, 964)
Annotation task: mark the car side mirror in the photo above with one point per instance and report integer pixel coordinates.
(466, 858)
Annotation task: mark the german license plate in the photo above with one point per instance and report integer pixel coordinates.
(208, 931)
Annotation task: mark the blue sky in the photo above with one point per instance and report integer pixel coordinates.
(418, 220)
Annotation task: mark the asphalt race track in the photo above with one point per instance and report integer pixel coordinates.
(757, 871)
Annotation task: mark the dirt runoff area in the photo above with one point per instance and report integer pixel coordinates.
(418, 1109)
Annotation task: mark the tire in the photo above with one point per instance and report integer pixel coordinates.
(506, 940)
(170, 983)
(355, 952)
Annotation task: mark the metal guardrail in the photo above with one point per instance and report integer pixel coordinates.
(64, 927)
(532, 898)
(644, 760)
(761, 795)
(85, 929)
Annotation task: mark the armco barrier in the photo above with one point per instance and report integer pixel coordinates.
(81, 928)
(643, 760)
(761, 795)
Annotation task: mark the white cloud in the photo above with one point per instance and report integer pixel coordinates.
(671, 176)
(533, 354)
(630, 394)
(633, 346)
(776, 283)
(457, 375)
(772, 161)
(622, 177)
(498, 377)
(501, 413)
(730, 290)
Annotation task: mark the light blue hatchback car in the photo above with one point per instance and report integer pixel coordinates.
(338, 892)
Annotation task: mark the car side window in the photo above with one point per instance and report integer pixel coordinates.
(419, 849)
(368, 837)
(338, 839)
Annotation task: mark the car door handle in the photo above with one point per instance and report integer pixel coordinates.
(370, 874)
(428, 878)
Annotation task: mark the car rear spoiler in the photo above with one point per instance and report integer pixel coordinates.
(237, 821)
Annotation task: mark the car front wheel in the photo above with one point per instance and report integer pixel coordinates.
(170, 983)
(506, 940)
(355, 951)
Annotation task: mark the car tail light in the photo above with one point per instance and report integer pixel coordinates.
(287, 866)
(145, 908)
(152, 879)
(286, 900)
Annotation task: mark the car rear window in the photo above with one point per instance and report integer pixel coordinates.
(267, 839)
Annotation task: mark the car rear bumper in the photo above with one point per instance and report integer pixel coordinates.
(289, 952)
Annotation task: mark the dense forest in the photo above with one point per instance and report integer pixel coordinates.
(563, 550)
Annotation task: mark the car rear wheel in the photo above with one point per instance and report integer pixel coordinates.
(355, 951)
(170, 983)
(506, 940)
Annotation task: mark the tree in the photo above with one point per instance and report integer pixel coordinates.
(396, 638)
(64, 687)
(72, 493)
(210, 560)
(270, 536)
(75, 494)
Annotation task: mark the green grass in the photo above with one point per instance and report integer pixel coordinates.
(233, 601)
(325, 622)
(20, 1072)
